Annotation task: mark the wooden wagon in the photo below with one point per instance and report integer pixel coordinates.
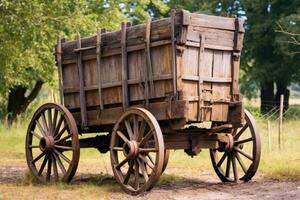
(146, 89)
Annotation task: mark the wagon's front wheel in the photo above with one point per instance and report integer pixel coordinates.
(240, 160)
(52, 146)
(137, 151)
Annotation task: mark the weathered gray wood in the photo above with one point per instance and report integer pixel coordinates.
(148, 70)
(59, 65)
(200, 82)
(124, 67)
(174, 67)
(98, 52)
(81, 85)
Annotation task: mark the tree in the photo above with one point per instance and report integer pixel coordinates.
(28, 33)
(269, 64)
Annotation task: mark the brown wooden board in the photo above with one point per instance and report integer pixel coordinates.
(190, 58)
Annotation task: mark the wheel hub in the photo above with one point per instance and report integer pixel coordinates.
(230, 144)
(47, 144)
(131, 149)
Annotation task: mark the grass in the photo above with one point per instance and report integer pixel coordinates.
(96, 175)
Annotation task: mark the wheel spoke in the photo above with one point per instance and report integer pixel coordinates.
(60, 164)
(122, 163)
(118, 148)
(243, 153)
(54, 121)
(61, 119)
(54, 168)
(61, 132)
(151, 159)
(236, 137)
(33, 146)
(122, 136)
(228, 166)
(40, 128)
(142, 130)
(129, 172)
(146, 138)
(36, 135)
(136, 175)
(50, 121)
(135, 127)
(45, 123)
(150, 164)
(148, 150)
(63, 139)
(222, 159)
(143, 169)
(38, 158)
(62, 156)
(243, 141)
(49, 169)
(43, 165)
(241, 162)
(63, 147)
(234, 168)
(129, 129)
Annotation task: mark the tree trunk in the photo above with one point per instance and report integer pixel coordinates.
(18, 102)
(282, 89)
(267, 97)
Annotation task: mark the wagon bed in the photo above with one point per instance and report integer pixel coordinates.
(182, 68)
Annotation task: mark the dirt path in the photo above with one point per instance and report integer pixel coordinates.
(187, 188)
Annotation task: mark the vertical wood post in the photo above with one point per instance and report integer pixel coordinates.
(59, 65)
(280, 120)
(124, 67)
(149, 70)
(269, 135)
(174, 64)
(200, 82)
(98, 52)
(81, 84)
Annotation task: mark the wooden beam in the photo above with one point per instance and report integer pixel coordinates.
(98, 52)
(124, 67)
(148, 60)
(174, 58)
(81, 85)
(59, 65)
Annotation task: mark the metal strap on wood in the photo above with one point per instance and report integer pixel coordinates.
(124, 67)
(173, 39)
(59, 65)
(235, 61)
(200, 81)
(148, 71)
(98, 52)
(81, 85)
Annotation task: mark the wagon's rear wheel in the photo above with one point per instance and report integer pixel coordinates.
(52, 146)
(137, 151)
(240, 161)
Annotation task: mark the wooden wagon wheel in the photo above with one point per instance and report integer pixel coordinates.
(243, 155)
(52, 145)
(137, 151)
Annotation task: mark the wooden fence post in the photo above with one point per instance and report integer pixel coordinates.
(280, 121)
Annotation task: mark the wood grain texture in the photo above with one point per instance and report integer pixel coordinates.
(150, 63)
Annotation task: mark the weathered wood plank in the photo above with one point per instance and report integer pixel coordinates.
(159, 110)
(81, 85)
(125, 98)
(98, 52)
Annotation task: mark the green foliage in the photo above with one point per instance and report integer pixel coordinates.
(29, 30)
(266, 57)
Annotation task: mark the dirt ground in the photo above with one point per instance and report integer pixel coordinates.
(204, 186)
